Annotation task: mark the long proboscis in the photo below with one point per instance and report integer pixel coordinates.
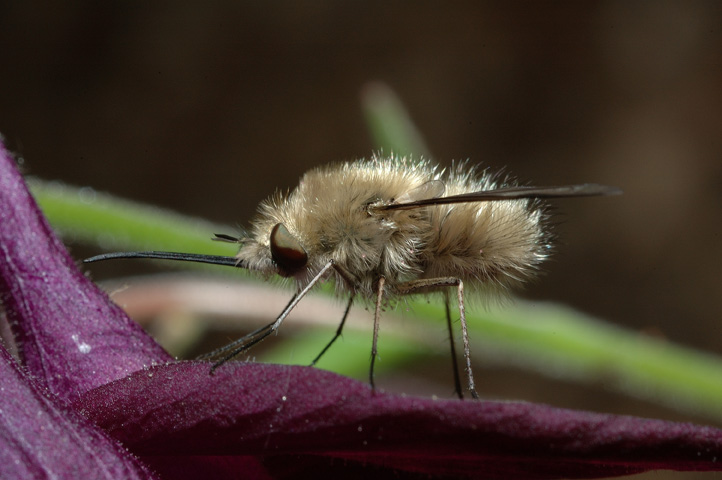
(183, 257)
(510, 193)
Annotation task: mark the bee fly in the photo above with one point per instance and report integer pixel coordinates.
(390, 227)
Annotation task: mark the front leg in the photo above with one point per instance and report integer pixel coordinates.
(436, 284)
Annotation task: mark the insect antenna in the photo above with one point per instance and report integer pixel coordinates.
(222, 237)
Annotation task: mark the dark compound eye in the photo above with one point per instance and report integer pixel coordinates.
(288, 254)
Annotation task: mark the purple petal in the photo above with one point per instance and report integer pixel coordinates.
(70, 336)
(41, 439)
(321, 419)
(208, 466)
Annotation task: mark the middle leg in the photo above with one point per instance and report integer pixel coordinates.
(435, 284)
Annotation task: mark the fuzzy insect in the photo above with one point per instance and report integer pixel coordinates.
(390, 227)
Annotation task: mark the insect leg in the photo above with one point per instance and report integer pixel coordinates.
(248, 342)
(346, 276)
(338, 333)
(244, 343)
(434, 284)
(377, 316)
(241, 341)
(465, 339)
(454, 363)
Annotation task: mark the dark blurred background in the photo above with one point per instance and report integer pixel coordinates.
(208, 108)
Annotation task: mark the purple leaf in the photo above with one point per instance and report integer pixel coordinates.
(39, 438)
(277, 411)
(69, 335)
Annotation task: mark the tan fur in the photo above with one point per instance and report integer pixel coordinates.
(489, 245)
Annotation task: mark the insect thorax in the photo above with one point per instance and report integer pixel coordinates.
(498, 242)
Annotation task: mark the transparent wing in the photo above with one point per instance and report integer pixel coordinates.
(427, 190)
(508, 193)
